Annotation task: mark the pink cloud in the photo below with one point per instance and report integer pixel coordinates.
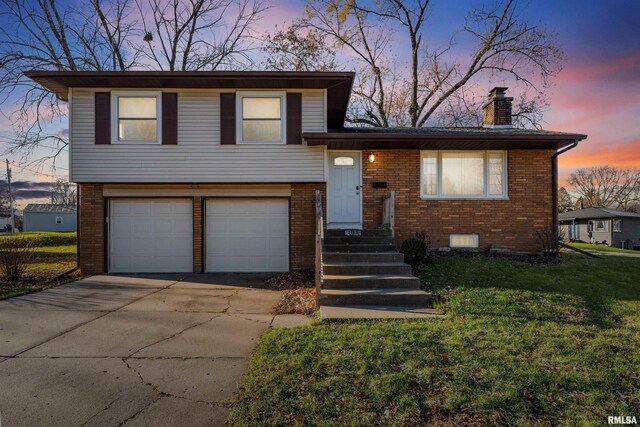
(602, 68)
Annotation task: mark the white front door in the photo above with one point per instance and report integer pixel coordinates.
(344, 202)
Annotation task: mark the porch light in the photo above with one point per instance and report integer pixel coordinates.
(372, 157)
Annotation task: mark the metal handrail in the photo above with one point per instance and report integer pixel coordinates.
(388, 211)
(319, 237)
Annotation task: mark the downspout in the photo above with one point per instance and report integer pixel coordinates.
(554, 179)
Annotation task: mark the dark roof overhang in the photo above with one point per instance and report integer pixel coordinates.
(484, 140)
(337, 84)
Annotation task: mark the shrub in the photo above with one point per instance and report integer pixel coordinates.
(15, 254)
(550, 242)
(50, 238)
(415, 249)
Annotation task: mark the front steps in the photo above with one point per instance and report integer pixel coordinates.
(364, 275)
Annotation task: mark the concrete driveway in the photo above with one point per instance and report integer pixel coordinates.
(112, 350)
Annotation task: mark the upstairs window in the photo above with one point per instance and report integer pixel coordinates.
(261, 118)
(137, 117)
(463, 174)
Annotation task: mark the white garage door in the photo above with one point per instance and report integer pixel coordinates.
(150, 236)
(247, 235)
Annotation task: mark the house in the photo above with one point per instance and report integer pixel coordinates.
(603, 225)
(218, 171)
(48, 217)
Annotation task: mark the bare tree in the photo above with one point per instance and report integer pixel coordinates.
(106, 35)
(291, 50)
(46, 35)
(193, 35)
(565, 201)
(506, 45)
(606, 187)
(63, 193)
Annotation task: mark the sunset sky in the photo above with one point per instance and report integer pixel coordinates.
(597, 92)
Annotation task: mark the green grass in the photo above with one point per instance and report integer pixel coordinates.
(520, 344)
(57, 255)
(604, 248)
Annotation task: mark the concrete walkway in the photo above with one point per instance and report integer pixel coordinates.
(111, 350)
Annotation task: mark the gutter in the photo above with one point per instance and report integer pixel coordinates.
(555, 184)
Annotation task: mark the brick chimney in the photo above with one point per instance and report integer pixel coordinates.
(497, 110)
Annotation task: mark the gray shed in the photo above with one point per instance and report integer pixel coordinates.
(47, 217)
(602, 225)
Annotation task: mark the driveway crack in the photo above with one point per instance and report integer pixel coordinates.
(174, 335)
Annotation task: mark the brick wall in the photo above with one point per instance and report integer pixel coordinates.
(91, 229)
(511, 223)
(303, 224)
(498, 112)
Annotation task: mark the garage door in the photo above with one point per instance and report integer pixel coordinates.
(150, 235)
(247, 235)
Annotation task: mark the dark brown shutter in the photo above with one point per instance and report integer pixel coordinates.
(103, 118)
(227, 118)
(170, 118)
(294, 118)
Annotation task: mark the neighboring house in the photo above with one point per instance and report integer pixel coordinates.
(603, 225)
(47, 217)
(218, 171)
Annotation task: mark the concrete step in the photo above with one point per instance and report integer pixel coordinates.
(352, 232)
(371, 281)
(339, 257)
(376, 312)
(359, 248)
(389, 296)
(359, 240)
(365, 268)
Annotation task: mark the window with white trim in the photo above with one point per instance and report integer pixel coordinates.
(136, 117)
(617, 225)
(58, 220)
(463, 174)
(261, 117)
(598, 225)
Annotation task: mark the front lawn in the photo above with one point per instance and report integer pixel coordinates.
(604, 248)
(521, 344)
(56, 255)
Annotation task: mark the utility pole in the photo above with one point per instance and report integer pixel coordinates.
(13, 223)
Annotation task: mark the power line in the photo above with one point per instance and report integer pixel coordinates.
(38, 172)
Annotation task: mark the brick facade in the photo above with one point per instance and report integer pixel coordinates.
(512, 223)
(303, 224)
(91, 229)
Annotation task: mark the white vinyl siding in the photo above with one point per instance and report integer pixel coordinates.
(198, 118)
(198, 156)
(313, 111)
